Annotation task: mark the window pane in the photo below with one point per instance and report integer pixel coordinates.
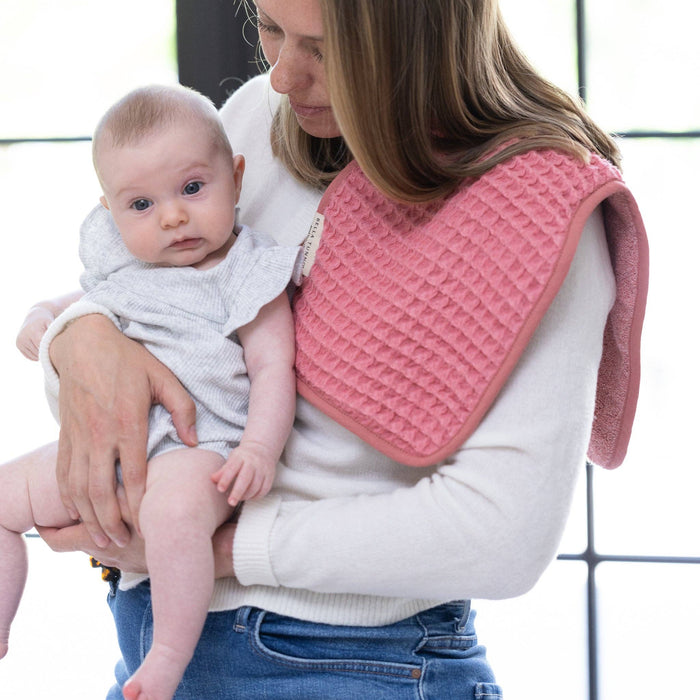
(63, 63)
(649, 505)
(643, 59)
(649, 617)
(554, 21)
(50, 188)
(575, 536)
(537, 644)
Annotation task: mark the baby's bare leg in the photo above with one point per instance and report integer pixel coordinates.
(30, 496)
(179, 514)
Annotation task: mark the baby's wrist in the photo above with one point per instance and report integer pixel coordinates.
(39, 308)
(262, 450)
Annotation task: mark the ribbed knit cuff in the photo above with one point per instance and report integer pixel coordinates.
(74, 311)
(251, 544)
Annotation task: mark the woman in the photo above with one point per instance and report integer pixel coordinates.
(352, 577)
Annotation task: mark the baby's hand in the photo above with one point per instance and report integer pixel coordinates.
(250, 468)
(32, 331)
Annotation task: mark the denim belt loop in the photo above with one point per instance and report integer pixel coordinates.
(240, 623)
(464, 620)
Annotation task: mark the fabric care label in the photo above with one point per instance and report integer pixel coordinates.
(313, 240)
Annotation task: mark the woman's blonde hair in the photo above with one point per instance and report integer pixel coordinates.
(427, 93)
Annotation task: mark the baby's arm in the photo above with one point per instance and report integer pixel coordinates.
(38, 319)
(268, 346)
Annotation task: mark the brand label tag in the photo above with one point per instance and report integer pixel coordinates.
(313, 240)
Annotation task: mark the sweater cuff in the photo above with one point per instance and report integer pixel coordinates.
(251, 543)
(73, 312)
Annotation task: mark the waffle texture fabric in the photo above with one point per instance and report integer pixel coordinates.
(413, 316)
(187, 318)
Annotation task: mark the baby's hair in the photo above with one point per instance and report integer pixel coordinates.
(146, 109)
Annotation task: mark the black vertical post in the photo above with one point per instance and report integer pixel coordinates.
(215, 46)
(591, 556)
(592, 561)
(581, 48)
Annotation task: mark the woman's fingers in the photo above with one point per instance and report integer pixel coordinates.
(169, 393)
(76, 538)
(86, 473)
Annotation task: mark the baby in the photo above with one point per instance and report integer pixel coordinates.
(166, 260)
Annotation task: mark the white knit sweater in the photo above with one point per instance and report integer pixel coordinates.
(347, 536)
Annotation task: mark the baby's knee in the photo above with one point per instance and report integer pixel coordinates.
(169, 518)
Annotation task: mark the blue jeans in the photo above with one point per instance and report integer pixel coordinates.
(251, 654)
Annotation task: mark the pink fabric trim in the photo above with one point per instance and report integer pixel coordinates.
(619, 373)
(414, 316)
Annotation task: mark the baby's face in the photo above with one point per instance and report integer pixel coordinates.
(172, 195)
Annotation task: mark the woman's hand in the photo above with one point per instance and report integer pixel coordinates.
(76, 538)
(132, 558)
(108, 384)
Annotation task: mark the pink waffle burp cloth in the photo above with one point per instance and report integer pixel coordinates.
(413, 315)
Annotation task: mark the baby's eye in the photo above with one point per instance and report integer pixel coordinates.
(141, 204)
(192, 188)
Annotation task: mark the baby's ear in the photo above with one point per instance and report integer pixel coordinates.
(104, 202)
(238, 168)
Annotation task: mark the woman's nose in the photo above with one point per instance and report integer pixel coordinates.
(289, 72)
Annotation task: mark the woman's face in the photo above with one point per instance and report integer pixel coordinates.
(291, 35)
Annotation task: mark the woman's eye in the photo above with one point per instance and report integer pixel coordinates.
(192, 188)
(267, 28)
(140, 204)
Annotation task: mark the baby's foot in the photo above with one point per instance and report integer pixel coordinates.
(158, 676)
(4, 638)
